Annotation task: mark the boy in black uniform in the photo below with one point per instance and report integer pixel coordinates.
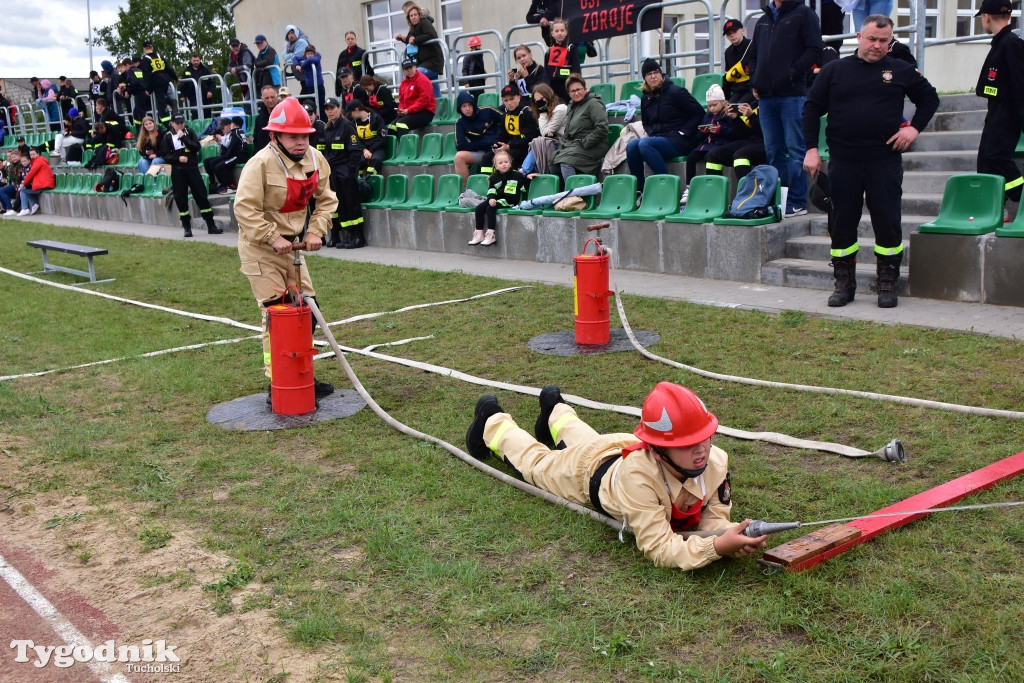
(131, 77)
(157, 76)
(221, 168)
(180, 147)
(1002, 83)
(739, 64)
(344, 153)
(372, 132)
(518, 126)
(863, 96)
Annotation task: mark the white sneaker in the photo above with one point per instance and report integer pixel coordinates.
(489, 238)
(478, 237)
(34, 209)
(795, 211)
(685, 197)
(24, 212)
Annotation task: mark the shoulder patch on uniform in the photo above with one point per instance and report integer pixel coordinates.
(725, 491)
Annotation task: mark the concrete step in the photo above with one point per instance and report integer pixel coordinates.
(818, 225)
(792, 272)
(925, 182)
(816, 248)
(958, 120)
(948, 141)
(955, 161)
(921, 204)
(963, 102)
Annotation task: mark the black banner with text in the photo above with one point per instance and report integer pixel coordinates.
(594, 19)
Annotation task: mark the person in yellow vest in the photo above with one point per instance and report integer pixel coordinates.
(271, 205)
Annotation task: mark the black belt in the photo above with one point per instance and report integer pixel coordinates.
(595, 483)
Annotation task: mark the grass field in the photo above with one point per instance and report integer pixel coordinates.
(391, 560)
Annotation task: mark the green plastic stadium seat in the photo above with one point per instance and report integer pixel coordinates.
(448, 150)
(431, 149)
(700, 86)
(449, 187)
(487, 99)
(477, 182)
(540, 185)
(972, 204)
(708, 200)
(614, 131)
(1019, 151)
(618, 198)
(756, 221)
(822, 142)
(376, 182)
(628, 88)
(395, 191)
(678, 80)
(408, 150)
(445, 114)
(61, 182)
(571, 183)
(606, 91)
(660, 198)
(422, 192)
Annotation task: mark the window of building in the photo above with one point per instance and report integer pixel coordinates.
(969, 25)
(451, 20)
(931, 19)
(385, 18)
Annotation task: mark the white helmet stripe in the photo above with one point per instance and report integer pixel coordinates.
(664, 423)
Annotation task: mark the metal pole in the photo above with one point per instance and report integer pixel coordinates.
(88, 20)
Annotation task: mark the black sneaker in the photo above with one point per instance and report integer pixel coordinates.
(321, 389)
(485, 407)
(550, 396)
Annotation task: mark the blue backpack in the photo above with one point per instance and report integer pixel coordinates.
(755, 196)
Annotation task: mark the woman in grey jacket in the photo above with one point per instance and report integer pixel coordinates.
(429, 58)
(585, 140)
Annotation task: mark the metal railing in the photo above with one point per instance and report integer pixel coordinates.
(500, 75)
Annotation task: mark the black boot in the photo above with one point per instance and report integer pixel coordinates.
(211, 227)
(845, 268)
(888, 275)
(485, 407)
(358, 237)
(186, 222)
(334, 238)
(550, 396)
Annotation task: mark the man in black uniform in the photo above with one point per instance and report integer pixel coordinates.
(194, 71)
(1002, 83)
(863, 96)
(157, 76)
(179, 147)
(352, 58)
(344, 152)
(134, 88)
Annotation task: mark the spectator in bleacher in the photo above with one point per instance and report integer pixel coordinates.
(738, 64)
(863, 8)
(221, 168)
(372, 132)
(95, 86)
(416, 101)
(344, 152)
(519, 127)
(132, 89)
(745, 150)
(832, 20)
(13, 174)
(179, 147)
(316, 138)
(585, 141)
(309, 69)
(476, 134)
(714, 131)
(295, 42)
(670, 116)
(192, 74)
(66, 94)
(22, 146)
(108, 81)
(268, 100)
(428, 55)
(46, 97)
(507, 187)
(148, 142)
(379, 97)
(105, 113)
(786, 44)
(472, 65)
(103, 149)
(38, 178)
(353, 58)
(240, 65)
(266, 64)
(550, 115)
(541, 13)
(346, 88)
(75, 133)
(3, 129)
(561, 59)
(529, 74)
(157, 76)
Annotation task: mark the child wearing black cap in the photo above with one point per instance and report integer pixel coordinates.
(519, 126)
(739, 64)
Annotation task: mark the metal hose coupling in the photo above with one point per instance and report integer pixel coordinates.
(892, 452)
(759, 527)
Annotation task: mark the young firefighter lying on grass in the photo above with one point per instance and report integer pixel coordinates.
(671, 480)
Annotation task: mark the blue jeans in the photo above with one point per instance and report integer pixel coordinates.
(870, 7)
(29, 198)
(783, 134)
(431, 75)
(7, 193)
(145, 163)
(651, 151)
(529, 163)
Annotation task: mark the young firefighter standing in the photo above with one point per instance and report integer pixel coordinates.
(1002, 83)
(344, 152)
(274, 192)
(663, 479)
(180, 148)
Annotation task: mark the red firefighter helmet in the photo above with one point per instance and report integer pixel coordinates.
(289, 117)
(673, 416)
(475, 41)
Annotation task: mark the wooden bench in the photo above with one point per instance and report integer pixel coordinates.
(77, 250)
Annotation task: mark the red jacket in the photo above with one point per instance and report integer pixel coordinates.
(40, 175)
(417, 94)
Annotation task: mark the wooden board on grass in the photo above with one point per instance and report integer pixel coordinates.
(814, 543)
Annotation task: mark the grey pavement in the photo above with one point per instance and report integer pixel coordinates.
(1000, 321)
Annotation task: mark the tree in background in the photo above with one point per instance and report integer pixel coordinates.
(177, 30)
